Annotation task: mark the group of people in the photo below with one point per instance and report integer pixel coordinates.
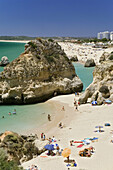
(33, 167)
(14, 112)
(87, 152)
(43, 137)
(73, 164)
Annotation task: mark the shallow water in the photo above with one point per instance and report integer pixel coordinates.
(84, 73)
(29, 117)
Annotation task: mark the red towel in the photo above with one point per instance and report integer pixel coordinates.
(79, 146)
(78, 142)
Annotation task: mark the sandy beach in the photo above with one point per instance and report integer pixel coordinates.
(17, 41)
(78, 125)
(83, 52)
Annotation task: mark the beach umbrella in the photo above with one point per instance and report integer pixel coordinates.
(108, 101)
(99, 127)
(66, 152)
(49, 147)
(94, 102)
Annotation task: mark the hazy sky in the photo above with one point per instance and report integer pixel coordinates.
(55, 17)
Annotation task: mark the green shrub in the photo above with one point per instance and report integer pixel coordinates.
(32, 44)
(111, 57)
(51, 40)
(50, 59)
(5, 164)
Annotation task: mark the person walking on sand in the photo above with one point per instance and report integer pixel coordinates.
(42, 136)
(49, 117)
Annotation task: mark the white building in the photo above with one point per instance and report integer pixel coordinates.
(99, 35)
(106, 35)
(102, 35)
(111, 36)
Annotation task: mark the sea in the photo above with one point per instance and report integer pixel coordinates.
(29, 117)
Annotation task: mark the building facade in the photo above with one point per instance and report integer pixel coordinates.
(108, 35)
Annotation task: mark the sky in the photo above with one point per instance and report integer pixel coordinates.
(74, 18)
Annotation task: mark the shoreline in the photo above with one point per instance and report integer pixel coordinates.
(16, 41)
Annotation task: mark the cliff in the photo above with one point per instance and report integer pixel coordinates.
(102, 85)
(37, 74)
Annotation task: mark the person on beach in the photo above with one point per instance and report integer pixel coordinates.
(49, 117)
(60, 125)
(78, 103)
(63, 109)
(71, 144)
(42, 136)
(75, 105)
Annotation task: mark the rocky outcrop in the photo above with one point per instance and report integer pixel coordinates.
(102, 85)
(106, 56)
(89, 63)
(74, 58)
(37, 74)
(20, 148)
(4, 61)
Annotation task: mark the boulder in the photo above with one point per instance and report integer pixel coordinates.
(104, 57)
(105, 91)
(74, 58)
(89, 63)
(4, 61)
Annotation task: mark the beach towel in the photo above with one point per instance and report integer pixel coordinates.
(79, 146)
(43, 156)
(78, 142)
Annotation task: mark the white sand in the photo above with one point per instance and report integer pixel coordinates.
(82, 124)
(83, 52)
(18, 41)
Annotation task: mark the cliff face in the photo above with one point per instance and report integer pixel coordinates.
(37, 74)
(102, 85)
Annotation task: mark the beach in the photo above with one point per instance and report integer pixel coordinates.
(84, 52)
(77, 126)
(17, 41)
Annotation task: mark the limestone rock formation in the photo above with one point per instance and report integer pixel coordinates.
(106, 56)
(102, 85)
(74, 58)
(19, 148)
(37, 74)
(89, 63)
(4, 61)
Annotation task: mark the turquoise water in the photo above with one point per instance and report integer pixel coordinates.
(10, 49)
(29, 117)
(84, 73)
